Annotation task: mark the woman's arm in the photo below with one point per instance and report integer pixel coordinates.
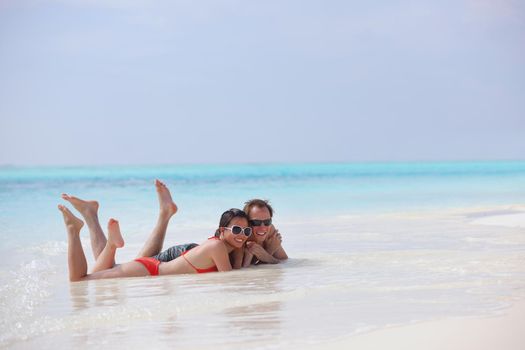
(247, 259)
(220, 257)
(237, 256)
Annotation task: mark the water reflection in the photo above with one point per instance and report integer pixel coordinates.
(105, 293)
(112, 292)
(179, 307)
(79, 296)
(258, 321)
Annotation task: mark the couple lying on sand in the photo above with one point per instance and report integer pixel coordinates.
(244, 237)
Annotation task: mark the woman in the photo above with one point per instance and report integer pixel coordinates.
(210, 256)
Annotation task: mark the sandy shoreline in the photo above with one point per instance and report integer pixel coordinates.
(499, 332)
(505, 220)
(481, 333)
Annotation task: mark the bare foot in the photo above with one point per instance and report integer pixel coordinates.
(167, 206)
(86, 208)
(114, 235)
(73, 223)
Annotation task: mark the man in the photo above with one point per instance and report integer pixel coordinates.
(264, 246)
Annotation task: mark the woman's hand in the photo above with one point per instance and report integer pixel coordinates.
(255, 249)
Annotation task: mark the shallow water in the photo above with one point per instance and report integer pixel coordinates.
(352, 268)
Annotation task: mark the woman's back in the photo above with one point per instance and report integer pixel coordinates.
(196, 260)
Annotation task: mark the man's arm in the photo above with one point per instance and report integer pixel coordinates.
(273, 245)
(260, 253)
(280, 254)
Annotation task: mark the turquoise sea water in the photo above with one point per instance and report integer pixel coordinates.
(28, 196)
(348, 258)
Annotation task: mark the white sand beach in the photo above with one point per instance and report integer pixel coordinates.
(484, 333)
(501, 331)
(505, 220)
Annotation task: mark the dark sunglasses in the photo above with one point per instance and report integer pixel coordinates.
(266, 222)
(237, 230)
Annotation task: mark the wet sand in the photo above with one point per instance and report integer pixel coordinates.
(486, 333)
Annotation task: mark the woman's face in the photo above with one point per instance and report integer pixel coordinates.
(236, 241)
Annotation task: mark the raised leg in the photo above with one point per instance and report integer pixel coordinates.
(167, 208)
(106, 259)
(89, 211)
(75, 254)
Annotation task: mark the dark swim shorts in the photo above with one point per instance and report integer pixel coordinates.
(174, 252)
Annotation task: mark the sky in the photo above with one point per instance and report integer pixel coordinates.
(165, 82)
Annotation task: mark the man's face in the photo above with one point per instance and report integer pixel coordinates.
(260, 232)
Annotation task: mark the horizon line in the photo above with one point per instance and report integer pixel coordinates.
(268, 163)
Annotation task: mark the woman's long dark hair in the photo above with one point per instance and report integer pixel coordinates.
(228, 216)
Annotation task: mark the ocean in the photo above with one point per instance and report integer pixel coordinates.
(371, 245)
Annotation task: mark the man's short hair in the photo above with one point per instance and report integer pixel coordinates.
(260, 203)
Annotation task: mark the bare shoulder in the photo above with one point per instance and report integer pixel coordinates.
(214, 245)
